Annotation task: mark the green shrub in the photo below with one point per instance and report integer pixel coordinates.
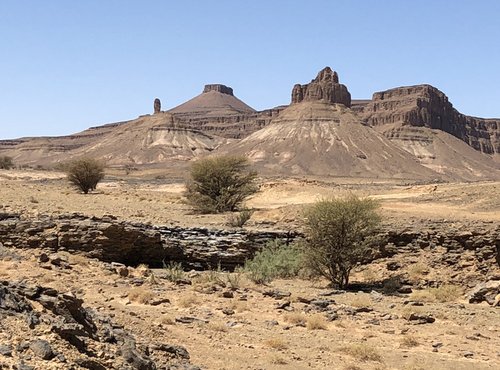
(84, 173)
(173, 271)
(220, 184)
(339, 235)
(6, 162)
(274, 261)
(240, 219)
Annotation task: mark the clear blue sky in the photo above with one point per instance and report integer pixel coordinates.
(67, 65)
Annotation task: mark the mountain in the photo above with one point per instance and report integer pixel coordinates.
(319, 134)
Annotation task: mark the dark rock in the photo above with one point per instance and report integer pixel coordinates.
(393, 265)
(322, 303)
(43, 258)
(487, 291)
(325, 87)
(219, 88)
(6, 350)
(88, 363)
(157, 106)
(137, 360)
(158, 301)
(282, 305)
(177, 351)
(419, 318)
(42, 349)
(277, 294)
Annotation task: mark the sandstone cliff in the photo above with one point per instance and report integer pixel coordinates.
(325, 87)
(426, 106)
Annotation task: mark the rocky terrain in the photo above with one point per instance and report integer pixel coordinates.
(74, 294)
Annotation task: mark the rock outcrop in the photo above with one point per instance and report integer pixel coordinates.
(473, 247)
(223, 89)
(325, 87)
(77, 334)
(157, 106)
(426, 106)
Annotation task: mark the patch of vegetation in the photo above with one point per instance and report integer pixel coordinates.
(276, 343)
(173, 271)
(362, 352)
(240, 219)
(274, 261)
(220, 184)
(340, 234)
(6, 162)
(409, 341)
(442, 294)
(85, 173)
(140, 295)
(316, 322)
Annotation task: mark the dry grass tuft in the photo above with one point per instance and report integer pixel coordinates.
(188, 301)
(140, 295)
(276, 343)
(167, 320)
(417, 271)
(361, 300)
(296, 318)
(278, 360)
(217, 326)
(362, 352)
(316, 322)
(442, 294)
(409, 341)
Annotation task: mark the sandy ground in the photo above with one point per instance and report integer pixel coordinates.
(247, 331)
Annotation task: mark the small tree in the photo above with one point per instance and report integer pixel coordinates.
(220, 184)
(340, 233)
(6, 162)
(85, 173)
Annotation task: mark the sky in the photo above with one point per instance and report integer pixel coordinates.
(69, 65)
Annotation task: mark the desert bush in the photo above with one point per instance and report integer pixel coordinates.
(240, 219)
(220, 184)
(340, 234)
(6, 162)
(274, 261)
(85, 173)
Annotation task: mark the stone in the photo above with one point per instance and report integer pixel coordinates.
(419, 318)
(157, 106)
(6, 350)
(42, 349)
(325, 87)
(485, 292)
(43, 258)
(277, 294)
(177, 351)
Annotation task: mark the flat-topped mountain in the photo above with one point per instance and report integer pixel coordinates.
(215, 100)
(427, 106)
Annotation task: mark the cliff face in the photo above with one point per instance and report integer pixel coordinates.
(325, 87)
(426, 106)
